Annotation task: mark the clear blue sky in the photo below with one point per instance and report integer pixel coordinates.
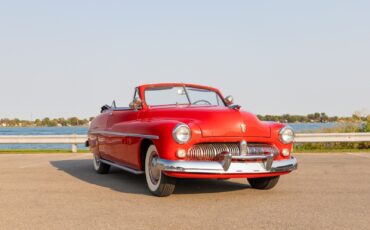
(67, 58)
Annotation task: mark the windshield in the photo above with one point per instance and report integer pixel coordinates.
(182, 96)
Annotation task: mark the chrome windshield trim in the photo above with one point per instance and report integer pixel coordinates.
(121, 134)
(215, 167)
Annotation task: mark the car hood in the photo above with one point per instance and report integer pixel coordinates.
(215, 121)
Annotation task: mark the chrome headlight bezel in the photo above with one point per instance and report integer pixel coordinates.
(177, 132)
(287, 135)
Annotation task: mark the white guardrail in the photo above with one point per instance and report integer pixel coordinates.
(74, 140)
(81, 139)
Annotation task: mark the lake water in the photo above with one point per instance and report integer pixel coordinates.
(42, 131)
(298, 127)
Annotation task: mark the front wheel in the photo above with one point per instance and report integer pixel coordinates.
(99, 166)
(264, 183)
(158, 183)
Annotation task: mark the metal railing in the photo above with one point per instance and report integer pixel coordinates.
(331, 137)
(74, 140)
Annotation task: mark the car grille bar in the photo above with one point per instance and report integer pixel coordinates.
(213, 151)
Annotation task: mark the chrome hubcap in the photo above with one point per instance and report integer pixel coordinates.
(96, 161)
(154, 170)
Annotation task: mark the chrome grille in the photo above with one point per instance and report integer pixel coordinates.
(212, 151)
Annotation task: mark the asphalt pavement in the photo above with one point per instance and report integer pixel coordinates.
(62, 191)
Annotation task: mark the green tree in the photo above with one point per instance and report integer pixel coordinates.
(73, 121)
(324, 117)
(317, 116)
(45, 121)
(367, 125)
(356, 117)
(62, 121)
(53, 123)
(38, 122)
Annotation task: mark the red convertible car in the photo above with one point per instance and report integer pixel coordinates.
(189, 131)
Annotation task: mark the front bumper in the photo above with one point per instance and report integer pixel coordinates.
(232, 167)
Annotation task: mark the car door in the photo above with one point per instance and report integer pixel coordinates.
(97, 137)
(118, 135)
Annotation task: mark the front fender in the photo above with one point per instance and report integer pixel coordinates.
(165, 144)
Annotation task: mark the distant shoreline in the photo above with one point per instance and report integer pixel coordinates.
(77, 126)
(285, 118)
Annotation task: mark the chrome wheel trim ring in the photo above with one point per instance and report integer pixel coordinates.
(96, 162)
(152, 174)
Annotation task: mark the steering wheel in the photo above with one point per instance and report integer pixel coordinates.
(199, 101)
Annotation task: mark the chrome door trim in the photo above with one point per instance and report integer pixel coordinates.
(134, 171)
(121, 134)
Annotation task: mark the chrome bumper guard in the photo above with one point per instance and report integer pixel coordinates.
(240, 165)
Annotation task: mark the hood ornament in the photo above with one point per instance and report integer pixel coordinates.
(243, 127)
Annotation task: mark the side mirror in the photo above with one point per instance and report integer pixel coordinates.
(136, 104)
(229, 100)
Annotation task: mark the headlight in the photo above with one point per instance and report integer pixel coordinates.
(286, 135)
(181, 133)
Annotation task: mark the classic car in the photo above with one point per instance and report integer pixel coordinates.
(175, 130)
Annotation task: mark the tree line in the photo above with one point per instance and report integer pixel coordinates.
(285, 118)
(313, 118)
(45, 122)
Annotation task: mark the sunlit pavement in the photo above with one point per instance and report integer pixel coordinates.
(61, 191)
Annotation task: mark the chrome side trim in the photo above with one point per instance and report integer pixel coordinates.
(134, 171)
(121, 134)
(215, 167)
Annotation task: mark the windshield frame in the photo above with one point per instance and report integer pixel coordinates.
(220, 98)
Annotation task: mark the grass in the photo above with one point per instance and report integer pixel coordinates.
(331, 147)
(331, 151)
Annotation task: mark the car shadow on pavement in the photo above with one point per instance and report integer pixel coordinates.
(125, 182)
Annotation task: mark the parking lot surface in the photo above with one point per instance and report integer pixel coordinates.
(62, 191)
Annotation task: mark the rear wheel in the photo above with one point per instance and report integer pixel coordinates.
(264, 183)
(99, 166)
(158, 183)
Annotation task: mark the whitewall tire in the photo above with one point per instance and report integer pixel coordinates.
(158, 183)
(99, 166)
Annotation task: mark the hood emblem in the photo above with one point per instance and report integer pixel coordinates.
(243, 127)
